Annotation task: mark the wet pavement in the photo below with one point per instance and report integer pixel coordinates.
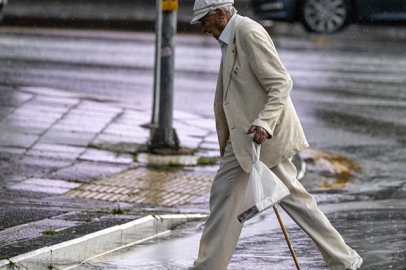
(262, 245)
(53, 142)
(349, 95)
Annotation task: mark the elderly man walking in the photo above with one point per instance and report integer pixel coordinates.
(252, 102)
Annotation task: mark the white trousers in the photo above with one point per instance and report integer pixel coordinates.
(222, 229)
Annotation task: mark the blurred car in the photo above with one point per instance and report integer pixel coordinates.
(328, 16)
(2, 4)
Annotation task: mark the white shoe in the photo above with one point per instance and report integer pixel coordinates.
(357, 264)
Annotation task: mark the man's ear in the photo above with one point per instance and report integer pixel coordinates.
(220, 13)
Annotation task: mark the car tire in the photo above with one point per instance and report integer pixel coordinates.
(325, 16)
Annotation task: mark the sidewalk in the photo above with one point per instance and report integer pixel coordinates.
(68, 168)
(52, 143)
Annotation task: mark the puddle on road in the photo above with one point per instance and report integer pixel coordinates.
(337, 170)
(261, 247)
(174, 251)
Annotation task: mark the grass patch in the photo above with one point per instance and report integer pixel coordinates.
(75, 181)
(50, 232)
(204, 161)
(169, 167)
(15, 266)
(97, 212)
(117, 211)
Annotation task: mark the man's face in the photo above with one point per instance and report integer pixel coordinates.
(213, 23)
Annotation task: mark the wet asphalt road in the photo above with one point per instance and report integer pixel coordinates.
(349, 94)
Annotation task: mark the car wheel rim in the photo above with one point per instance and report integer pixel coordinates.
(325, 16)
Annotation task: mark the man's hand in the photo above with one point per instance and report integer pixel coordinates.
(260, 135)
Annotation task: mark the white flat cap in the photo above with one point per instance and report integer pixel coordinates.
(202, 7)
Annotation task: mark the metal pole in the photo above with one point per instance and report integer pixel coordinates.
(165, 136)
(157, 77)
(285, 233)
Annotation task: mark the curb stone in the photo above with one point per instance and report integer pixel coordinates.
(69, 254)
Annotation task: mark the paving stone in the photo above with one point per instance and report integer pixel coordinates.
(52, 154)
(44, 91)
(98, 107)
(190, 130)
(139, 122)
(61, 101)
(106, 156)
(209, 145)
(41, 105)
(80, 112)
(46, 164)
(15, 139)
(120, 143)
(40, 189)
(134, 116)
(43, 120)
(180, 115)
(81, 125)
(211, 138)
(22, 129)
(45, 186)
(85, 171)
(126, 130)
(14, 98)
(189, 142)
(5, 110)
(12, 150)
(84, 120)
(67, 137)
(26, 123)
(203, 123)
(59, 148)
(42, 113)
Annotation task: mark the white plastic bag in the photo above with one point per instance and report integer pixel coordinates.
(264, 189)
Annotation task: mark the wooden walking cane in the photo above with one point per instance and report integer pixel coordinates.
(287, 237)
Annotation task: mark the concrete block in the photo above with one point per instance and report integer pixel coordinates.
(68, 254)
(37, 259)
(138, 230)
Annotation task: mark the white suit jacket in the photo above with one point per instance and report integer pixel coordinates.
(255, 90)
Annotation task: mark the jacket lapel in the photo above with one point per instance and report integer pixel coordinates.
(218, 97)
(230, 57)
